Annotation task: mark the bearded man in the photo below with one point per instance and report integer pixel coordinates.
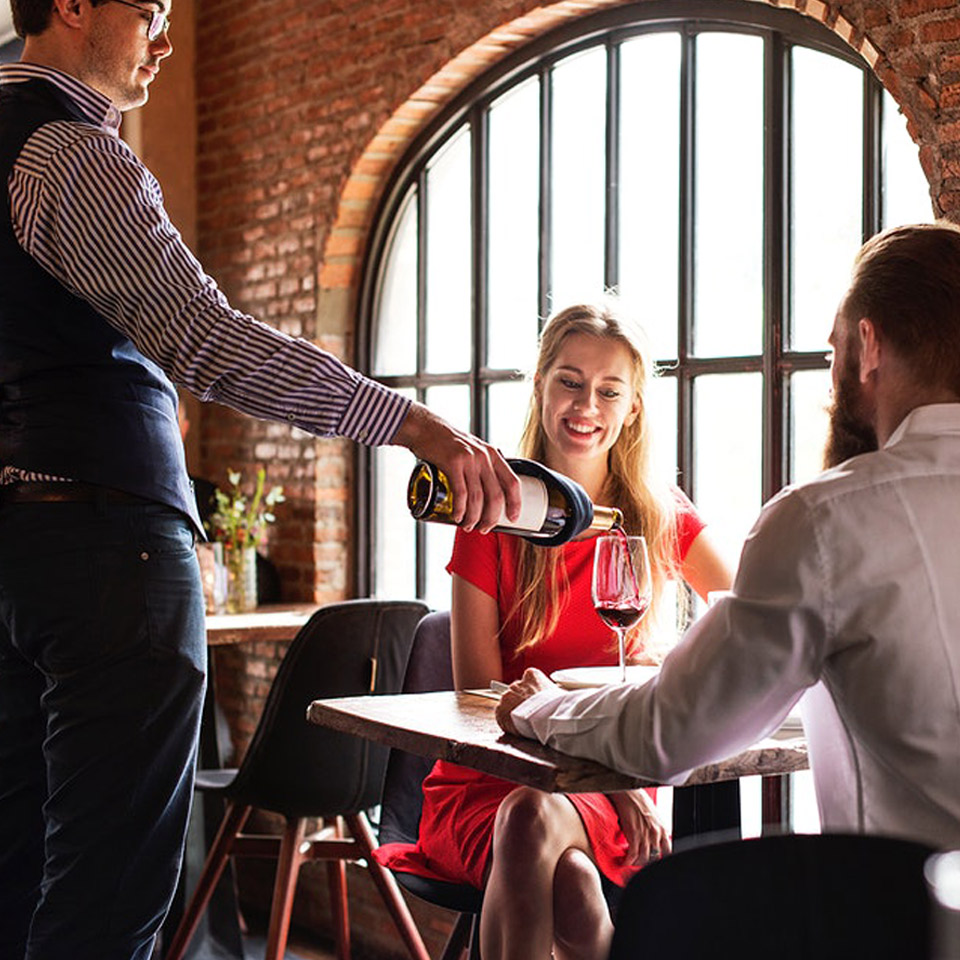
(846, 591)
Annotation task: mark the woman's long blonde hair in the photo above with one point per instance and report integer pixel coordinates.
(647, 508)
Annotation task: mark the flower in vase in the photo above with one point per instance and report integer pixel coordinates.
(239, 521)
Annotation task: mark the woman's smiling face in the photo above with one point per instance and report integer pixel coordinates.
(587, 396)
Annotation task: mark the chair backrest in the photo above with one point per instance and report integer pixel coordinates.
(795, 897)
(429, 668)
(298, 768)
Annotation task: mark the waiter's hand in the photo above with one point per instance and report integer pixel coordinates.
(483, 485)
(533, 681)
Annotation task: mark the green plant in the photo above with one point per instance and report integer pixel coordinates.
(238, 522)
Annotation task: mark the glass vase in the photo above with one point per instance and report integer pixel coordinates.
(241, 565)
(213, 576)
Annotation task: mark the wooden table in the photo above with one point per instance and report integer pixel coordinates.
(461, 727)
(273, 621)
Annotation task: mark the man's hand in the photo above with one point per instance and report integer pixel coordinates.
(532, 681)
(483, 485)
(641, 825)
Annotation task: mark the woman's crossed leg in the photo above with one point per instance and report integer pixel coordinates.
(543, 890)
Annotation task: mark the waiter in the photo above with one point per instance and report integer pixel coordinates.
(101, 615)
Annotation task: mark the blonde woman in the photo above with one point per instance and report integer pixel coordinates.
(540, 856)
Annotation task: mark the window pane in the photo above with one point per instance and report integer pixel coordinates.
(806, 811)
(827, 194)
(661, 417)
(394, 568)
(452, 402)
(579, 86)
(439, 549)
(809, 397)
(449, 286)
(906, 193)
(727, 460)
(650, 184)
(507, 405)
(395, 317)
(661, 420)
(751, 815)
(514, 228)
(728, 298)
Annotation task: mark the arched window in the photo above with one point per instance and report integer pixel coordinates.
(718, 164)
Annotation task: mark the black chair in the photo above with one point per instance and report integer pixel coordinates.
(429, 669)
(303, 771)
(796, 897)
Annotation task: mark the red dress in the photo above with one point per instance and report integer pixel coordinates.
(460, 804)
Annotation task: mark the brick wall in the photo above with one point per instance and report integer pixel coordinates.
(289, 95)
(304, 108)
(918, 45)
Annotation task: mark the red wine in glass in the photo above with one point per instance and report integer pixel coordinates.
(621, 616)
(621, 586)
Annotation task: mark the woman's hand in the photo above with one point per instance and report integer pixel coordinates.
(646, 835)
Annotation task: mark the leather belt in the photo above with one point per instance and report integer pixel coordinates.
(45, 491)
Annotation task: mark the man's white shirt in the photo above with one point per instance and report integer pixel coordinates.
(848, 587)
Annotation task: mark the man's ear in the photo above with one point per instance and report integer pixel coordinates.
(869, 343)
(69, 11)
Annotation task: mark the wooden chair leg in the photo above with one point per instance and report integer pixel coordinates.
(388, 887)
(460, 939)
(339, 906)
(285, 885)
(775, 803)
(340, 910)
(234, 818)
(474, 953)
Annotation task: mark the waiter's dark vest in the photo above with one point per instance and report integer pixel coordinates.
(77, 399)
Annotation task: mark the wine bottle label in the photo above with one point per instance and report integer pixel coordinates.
(533, 506)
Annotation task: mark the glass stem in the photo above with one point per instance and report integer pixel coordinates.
(622, 653)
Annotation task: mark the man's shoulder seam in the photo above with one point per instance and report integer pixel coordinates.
(58, 137)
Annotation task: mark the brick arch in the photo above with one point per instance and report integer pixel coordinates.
(346, 242)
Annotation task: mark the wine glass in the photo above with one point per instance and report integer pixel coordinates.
(621, 586)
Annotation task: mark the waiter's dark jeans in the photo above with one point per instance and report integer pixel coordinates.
(102, 673)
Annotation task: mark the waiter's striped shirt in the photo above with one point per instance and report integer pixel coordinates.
(88, 211)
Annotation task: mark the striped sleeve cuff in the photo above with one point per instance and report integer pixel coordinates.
(374, 414)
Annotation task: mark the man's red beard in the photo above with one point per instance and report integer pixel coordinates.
(850, 432)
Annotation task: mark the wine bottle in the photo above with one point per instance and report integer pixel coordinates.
(554, 508)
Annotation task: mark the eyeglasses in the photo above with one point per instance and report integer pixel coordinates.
(159, 21)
